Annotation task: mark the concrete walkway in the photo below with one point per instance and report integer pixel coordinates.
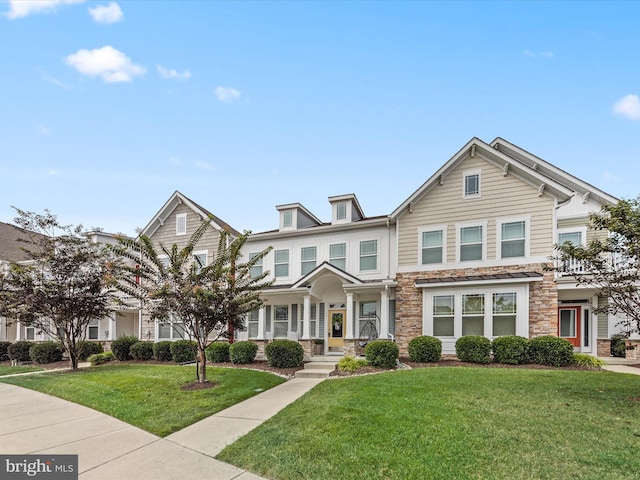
(33, 422)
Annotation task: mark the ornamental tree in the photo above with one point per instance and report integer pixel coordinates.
(611, 261)
(209, 301)
(62, 286)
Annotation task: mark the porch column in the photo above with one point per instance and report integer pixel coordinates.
(18, 331)
(260, 324)
(384, 314)
(112, 326)
(140, 324)
(349, 319)
(306, 318)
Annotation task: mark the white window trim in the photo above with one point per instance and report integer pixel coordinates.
(346, 212)
(459, 227)
(373, 270)
(527, 235)
(282, 263)
(346, 249)
(180, 216)
(293, 225)
(201, 252)
(582, 230)
(467, 173)
(433, 228)
(315, 259)
(522, 308)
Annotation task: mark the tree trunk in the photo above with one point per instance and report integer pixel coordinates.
(202, 365)
(73, 359)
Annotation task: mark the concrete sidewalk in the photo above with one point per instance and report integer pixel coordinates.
(34, 422)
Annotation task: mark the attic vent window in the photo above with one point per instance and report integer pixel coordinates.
(472, 185)
(181, 224)
(341, 211)
(287, 219)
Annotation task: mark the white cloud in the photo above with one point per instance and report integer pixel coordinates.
(203, 165)
(45, 77)
(227, 94)
(106, 14)
(170, 74)
(24, 8)
(107, 62)
(628, 106)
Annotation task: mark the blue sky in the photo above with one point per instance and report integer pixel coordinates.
(107, 108)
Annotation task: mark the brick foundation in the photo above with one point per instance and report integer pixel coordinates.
(632, 349)
(603, 347)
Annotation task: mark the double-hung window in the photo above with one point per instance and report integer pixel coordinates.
(252, 323)
(504, 314)
(513, 239)
(173, 329)
(443, 315)
(473, 314)
(200, 260)
(256, 270)
(575, 238)
(287, 219)
(432, 247)
(341, 211)
(369, 255)
(338, 255)
(281, 263)
(94, 329)
(308, 257)
(471, 243)
(281, 321)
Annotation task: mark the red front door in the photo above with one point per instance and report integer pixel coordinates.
(569, 324)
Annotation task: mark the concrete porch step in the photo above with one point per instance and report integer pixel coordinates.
(320, 369)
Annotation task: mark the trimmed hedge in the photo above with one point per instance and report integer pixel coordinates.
(425, 349)
(510, 349)
(141, 351)
(474, 349)
(100, 358)
(4, 353)
(46, 352)
(382, 353)
(162, 351)
(184, 351)
(88, 348)
(350, 364)
(19, 351)
(551, 351)
(284, 353)
(217, 352)
(121, 346)
(243, 352)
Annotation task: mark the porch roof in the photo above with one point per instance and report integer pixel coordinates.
(517, 277)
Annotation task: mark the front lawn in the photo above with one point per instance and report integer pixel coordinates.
(453, 423)
(6, 369)
(149, 396)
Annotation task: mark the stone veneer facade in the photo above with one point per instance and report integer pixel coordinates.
(543, 300)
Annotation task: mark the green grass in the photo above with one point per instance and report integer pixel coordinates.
(9, 370)
(149, 396)
(453, 423)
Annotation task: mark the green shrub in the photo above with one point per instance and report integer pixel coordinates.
(382, 353)
(4, 352)
(100, 358)
(351, 364)
(121, 346)
(243, 352)
(46, 352)
(88, 348)
(141, 351)
(184, 351)
(284, 354)
(217, 352)
(19, 351)
(425, 349)
(510, 349)
(584, 360)
(162, 351)
(474, 349)
(618, 346)
(550, 350)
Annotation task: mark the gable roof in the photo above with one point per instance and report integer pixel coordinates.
(176, 199)
(551, 171)
(10, 244)
(323, 268)
(546, 185)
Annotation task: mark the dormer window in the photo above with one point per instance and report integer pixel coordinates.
(341, 211)
(287, 219)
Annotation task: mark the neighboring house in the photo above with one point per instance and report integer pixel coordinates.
(472, 244)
